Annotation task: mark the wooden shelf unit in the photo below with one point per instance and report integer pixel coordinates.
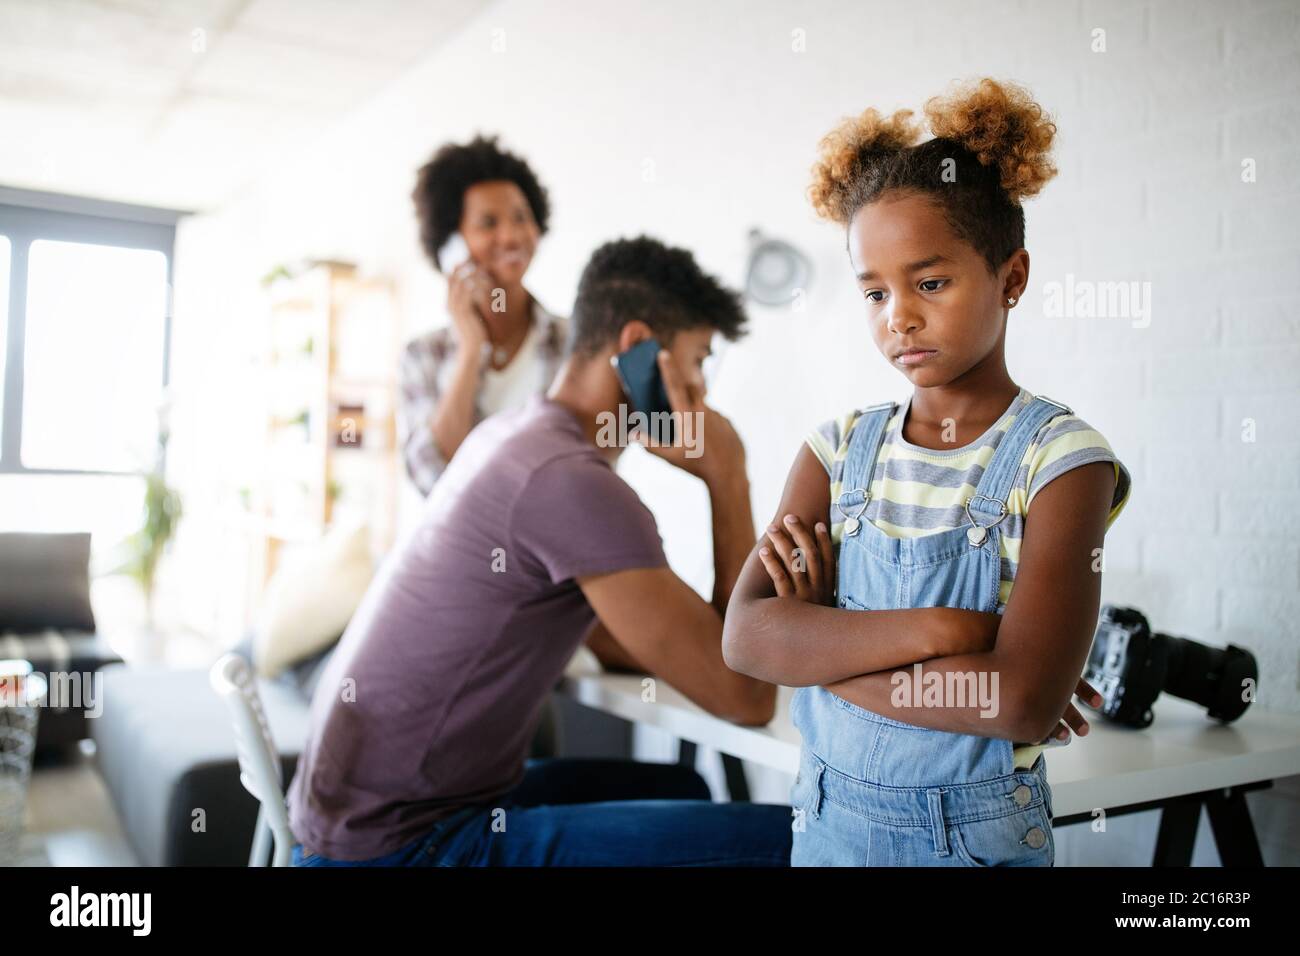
(329, 377)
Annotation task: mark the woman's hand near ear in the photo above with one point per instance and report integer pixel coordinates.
(468, 293)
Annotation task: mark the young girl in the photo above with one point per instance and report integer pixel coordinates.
(901, 532)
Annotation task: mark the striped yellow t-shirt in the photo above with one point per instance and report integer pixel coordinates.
(917, 491)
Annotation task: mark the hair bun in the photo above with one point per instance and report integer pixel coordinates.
(846, 150)
(1002, 125)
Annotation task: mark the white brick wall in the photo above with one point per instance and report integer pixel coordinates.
(1152, 136)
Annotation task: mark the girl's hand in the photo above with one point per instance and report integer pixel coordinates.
(1072, 719)
(801, 563)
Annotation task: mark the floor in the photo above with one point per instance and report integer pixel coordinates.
(70, 816)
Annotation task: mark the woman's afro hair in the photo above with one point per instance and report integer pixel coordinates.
(440, 186)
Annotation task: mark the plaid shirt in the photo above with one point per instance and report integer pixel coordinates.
(420, 389)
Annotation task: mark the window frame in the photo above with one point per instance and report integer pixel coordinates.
(25, 217)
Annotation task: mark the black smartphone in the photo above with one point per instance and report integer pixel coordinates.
(638, 368)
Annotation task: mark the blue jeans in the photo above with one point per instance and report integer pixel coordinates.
(581, 812)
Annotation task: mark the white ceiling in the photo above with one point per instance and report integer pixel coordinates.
(178, 103)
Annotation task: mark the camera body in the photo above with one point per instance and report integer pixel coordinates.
(1129, 665)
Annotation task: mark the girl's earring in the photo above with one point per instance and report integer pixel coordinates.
(1011, 300)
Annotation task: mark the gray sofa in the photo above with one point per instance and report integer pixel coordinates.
(46, 620)
(166, 750)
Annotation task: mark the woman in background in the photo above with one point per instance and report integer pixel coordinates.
(481, 212)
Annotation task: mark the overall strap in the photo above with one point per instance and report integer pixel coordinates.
(990, 498)
(864, 447)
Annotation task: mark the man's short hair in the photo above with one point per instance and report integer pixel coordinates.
(661, 285)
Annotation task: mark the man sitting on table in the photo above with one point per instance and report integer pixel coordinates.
(530, 542)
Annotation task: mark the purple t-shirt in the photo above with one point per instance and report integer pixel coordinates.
(432, 697)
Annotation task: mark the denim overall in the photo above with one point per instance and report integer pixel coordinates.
(873, 791)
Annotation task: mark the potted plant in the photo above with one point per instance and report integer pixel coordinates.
(161, 512)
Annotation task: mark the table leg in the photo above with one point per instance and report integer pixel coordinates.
(733, 769)
(686, 753)
(1177, 836)
(737, 784)
(1234, 834)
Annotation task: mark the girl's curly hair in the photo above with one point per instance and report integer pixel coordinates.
(990, 149)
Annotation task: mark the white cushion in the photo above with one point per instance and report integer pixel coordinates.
(311, 598)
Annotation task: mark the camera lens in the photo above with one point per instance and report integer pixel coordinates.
(1214, 677)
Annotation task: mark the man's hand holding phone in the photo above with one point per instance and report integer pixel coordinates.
(716, 453)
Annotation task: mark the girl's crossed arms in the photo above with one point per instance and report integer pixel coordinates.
(783, 625)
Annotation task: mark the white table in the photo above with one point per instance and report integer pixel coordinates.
(1182, 761)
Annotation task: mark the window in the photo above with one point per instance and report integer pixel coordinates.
(4, 323)
(93, 356)
(84, 334)
(83, 360)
